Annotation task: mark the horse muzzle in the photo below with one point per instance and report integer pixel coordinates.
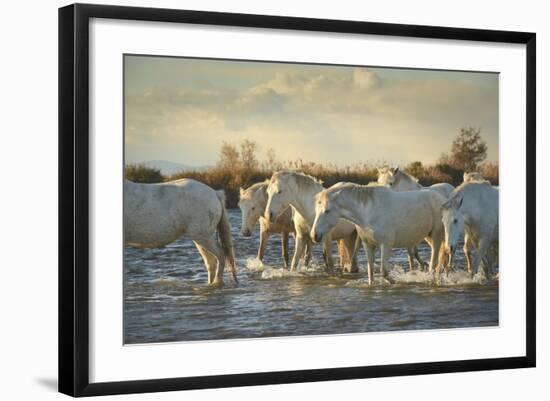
(246, 233)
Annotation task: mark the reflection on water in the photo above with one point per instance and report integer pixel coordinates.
(167, 299)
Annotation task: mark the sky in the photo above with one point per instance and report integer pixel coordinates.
(182, 110)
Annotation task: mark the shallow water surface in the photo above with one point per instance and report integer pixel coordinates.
(166, 297)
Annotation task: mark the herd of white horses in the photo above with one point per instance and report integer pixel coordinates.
(394, 212)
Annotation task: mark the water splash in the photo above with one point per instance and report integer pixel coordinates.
(302, 271)
(254, 265)
(398, 275)
(314, 269)
(274, 273)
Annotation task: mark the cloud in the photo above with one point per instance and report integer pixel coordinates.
(322, 114)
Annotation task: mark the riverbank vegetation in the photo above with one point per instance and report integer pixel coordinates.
(240, 166)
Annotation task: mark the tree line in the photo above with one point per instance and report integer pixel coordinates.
(240, 166)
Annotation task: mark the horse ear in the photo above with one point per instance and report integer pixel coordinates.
(446, 204)
(395, 169)
(241, 190)
(455, 202)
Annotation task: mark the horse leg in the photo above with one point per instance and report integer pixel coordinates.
(349, 248)
(327, 252)
(491, 257)
(435, 259)
(486, 265)
(212, 246)
(356, 247)
(369, 250)
(298, 251)
(481, 251)
(210, 262)
(384, 256)
(309, 248)
(410, 255)
(443, 259)
(435, 244)
(263, 242)
(420, 261)
(341, 256)
(468, 254)
(284, 240)
(446, 259)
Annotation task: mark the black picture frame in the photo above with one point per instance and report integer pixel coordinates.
(74, 198)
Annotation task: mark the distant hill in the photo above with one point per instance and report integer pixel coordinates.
(168, 168)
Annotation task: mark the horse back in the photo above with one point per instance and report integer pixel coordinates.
(160, 213)
(443, 188)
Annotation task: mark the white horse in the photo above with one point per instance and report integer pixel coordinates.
(252, 202)
(399, 180)
(472, 209)
(383, 218)
(158, 214)
(298, 190)
(476, 176)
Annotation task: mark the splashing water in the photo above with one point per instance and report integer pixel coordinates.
(255, 265)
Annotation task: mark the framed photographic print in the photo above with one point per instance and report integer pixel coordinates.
(250, 199)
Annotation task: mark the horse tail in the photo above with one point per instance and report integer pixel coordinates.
(224, 232)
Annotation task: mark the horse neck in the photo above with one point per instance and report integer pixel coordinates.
(262, 197)
(354, 210)
(304, 202)
(469, 202)
(472, 201)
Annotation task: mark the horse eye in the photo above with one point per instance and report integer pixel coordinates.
(455, 221)
(327, 211)
(253, 208)
(279, 191)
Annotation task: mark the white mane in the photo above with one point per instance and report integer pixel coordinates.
(247, 193)
(304, 182)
